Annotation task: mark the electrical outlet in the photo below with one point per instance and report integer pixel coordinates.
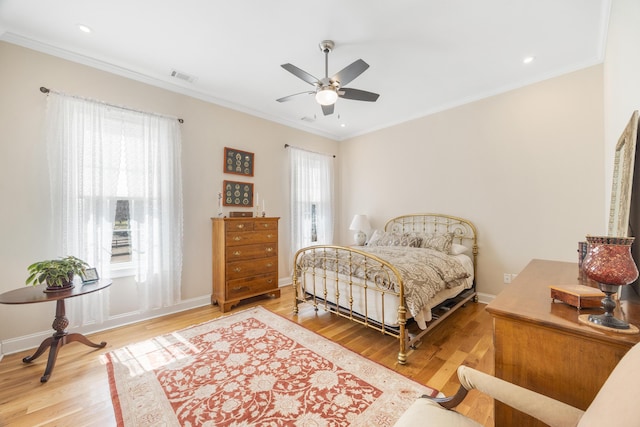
(507, 278)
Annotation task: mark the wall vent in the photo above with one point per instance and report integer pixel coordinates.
(183, 76)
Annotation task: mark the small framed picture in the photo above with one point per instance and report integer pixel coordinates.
(90, 275)
(237, 194)
(238, 162)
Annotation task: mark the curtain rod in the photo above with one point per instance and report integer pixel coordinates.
(304, 149)
(47, 90)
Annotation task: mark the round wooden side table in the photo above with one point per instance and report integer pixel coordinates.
(34, 294)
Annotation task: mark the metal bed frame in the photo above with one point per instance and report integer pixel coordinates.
(315, 274)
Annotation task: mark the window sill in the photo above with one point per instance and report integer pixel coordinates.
(123, 269)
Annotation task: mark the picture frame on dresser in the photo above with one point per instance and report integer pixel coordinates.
(238, 162)
(238, 194)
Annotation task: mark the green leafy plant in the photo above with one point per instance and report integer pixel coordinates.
(56, 272)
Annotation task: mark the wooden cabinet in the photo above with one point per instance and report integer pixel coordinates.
(540, 345)
(245, 259)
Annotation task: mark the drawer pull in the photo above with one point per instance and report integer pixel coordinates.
(270, 236)
(237, 238)
(239, 288)
(237, 269)
(270, 281)
(269, 250)
(270, 265)
(265, 225)
(237, 253)
(240, 226)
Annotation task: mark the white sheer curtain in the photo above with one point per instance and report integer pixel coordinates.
(312, 204)
(99, 154)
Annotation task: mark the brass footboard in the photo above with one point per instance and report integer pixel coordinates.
(345, 281)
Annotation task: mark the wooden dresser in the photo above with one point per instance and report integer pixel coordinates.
(245, 259)
(540, 345)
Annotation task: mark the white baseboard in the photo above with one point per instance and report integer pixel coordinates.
(26, 342)
(32, 341)
(485, 298)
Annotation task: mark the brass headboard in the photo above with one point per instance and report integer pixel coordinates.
(464, 232)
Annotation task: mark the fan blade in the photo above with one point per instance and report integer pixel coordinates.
(300, 74)
(288, 98)
(350, 72)
(327, 109)
(357, 94)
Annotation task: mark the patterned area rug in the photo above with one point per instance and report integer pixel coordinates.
(253, 368)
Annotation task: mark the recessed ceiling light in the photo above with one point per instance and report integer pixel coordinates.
(343, 125)
(84, 28)
(528, 59)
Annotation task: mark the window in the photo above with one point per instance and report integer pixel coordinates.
(311, 198)
(121, 240)
(117, 193)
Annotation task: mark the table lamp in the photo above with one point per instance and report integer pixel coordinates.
(360, 224)
(610, 264)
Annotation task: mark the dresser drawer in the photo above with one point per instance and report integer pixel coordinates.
(242, 288)
(238, 253)
(263, 224)
(247, 238)
(245, 225)
(239, 269)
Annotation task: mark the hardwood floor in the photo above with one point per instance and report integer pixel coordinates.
(77, 393)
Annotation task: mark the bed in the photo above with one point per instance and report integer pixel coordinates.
(416, 271)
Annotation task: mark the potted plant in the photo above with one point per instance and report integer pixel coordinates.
(57, 273)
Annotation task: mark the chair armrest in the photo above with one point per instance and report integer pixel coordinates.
(544, 408)
(451, 401)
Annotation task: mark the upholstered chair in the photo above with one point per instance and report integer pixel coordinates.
(615, 404)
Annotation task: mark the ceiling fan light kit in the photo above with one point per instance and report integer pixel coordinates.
(326, 96)
(328, 90)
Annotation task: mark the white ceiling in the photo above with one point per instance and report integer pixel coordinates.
(424, 55)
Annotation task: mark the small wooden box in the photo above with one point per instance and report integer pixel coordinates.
(241, 214)
(579, 296)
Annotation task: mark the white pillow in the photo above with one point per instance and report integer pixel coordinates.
(457, 249)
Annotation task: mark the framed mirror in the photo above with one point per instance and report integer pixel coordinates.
(622, 185)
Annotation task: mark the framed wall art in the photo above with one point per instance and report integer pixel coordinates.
(237, 194)
(238, 162)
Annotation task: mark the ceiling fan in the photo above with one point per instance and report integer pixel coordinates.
(328, 90)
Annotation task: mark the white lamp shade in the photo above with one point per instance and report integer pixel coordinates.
(326, 96)
(360, 224)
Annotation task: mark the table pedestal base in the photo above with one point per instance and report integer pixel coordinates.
(59, 338)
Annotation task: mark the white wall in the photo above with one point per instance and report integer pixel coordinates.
(525, 166)
(207, 129)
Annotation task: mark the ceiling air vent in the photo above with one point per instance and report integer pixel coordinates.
(183, 76)
(308, 119)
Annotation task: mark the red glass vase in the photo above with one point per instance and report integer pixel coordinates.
(610, 264)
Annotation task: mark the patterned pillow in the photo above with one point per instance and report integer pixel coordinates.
(438, 242)
(388, 238)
